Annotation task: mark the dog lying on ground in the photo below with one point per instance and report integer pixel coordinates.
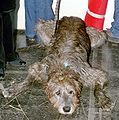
(66, 69)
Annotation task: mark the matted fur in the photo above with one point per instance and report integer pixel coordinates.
(66, 69)
(45, 29)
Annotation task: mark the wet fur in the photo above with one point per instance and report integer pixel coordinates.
(66, 69)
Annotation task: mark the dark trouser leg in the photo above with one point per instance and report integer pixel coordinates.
(2, 54)
(8, 39)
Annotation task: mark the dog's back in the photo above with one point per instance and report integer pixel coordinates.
(71, 38)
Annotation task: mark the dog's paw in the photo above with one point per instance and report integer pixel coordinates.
(105, 103)
(6, 93)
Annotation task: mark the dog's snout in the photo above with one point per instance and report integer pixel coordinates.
(66, 108)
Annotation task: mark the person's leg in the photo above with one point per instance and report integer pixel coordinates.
(30, 21)
(43, 11)
(113, 32)
(9, 42)
(115, 25)
(49, 13)
(29, 18)
(2, 53)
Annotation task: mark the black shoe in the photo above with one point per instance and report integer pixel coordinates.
(30, 41)
(18, 61)
(2, 73)
(110, 37)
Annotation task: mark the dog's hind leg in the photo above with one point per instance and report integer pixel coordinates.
(97, 37)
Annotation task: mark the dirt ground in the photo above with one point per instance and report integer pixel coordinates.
(34, 105)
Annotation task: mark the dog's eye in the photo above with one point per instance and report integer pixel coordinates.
(71, 92)
(58, 92)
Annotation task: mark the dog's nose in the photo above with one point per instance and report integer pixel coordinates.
(66, 108)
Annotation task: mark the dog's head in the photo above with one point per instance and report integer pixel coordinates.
(63, 90)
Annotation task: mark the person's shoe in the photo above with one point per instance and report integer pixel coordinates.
(17, 62)
(110, 38)
(30, 41)
(2, 73)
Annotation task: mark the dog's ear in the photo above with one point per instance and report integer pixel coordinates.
(78, 88)
(49, 87)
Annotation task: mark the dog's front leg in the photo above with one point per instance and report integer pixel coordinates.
(99, 79)
(36, 72)
(102, 99)
(16, 89)
(100, 94)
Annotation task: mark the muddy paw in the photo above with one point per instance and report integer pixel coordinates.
(4, 91)
(105, 103)
(8, 92)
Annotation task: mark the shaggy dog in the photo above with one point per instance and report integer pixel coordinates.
(66, 69)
